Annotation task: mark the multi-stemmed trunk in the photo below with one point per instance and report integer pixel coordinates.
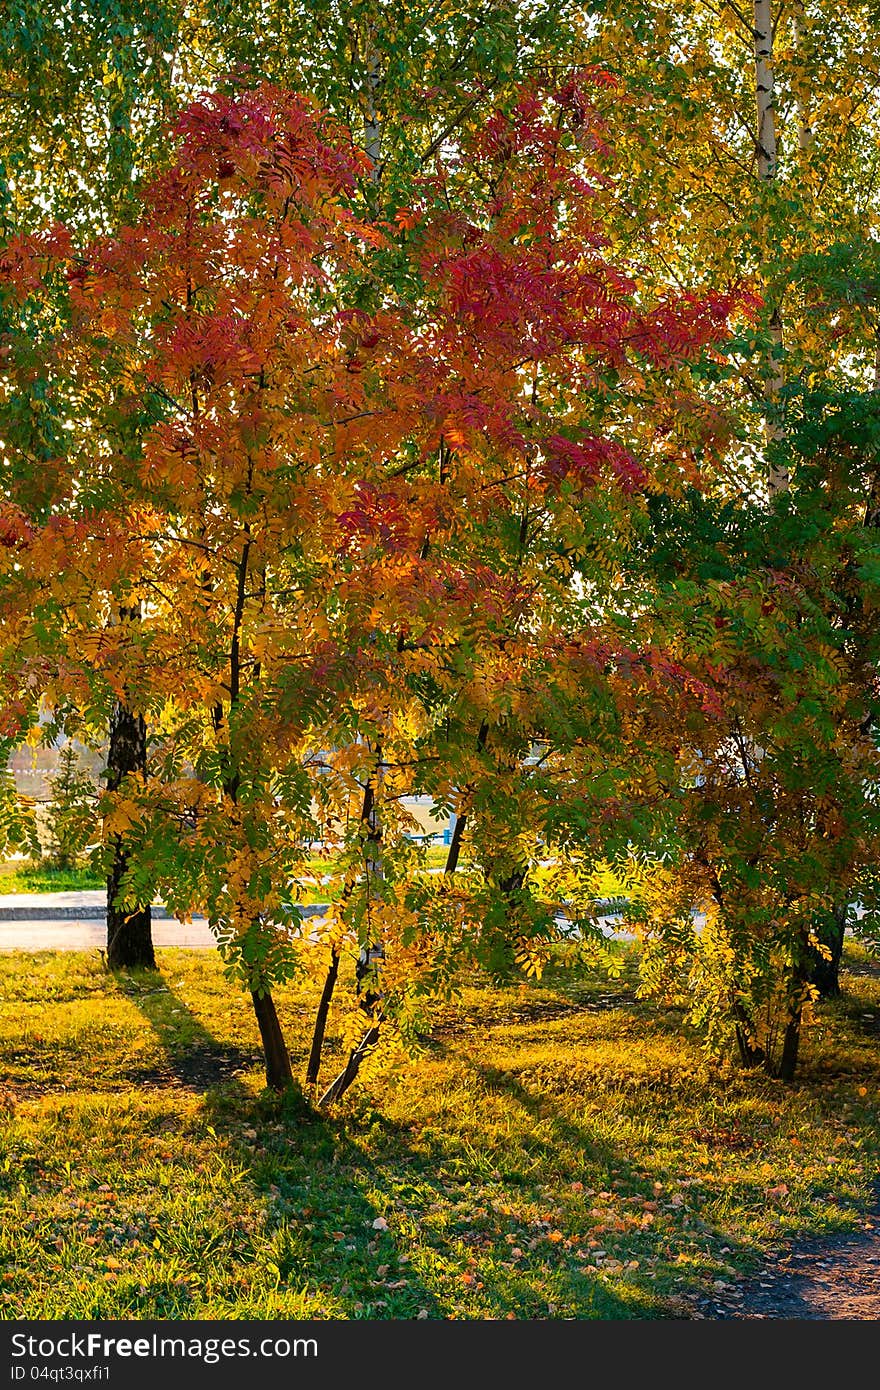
(129, 934)
(369, 998)
(279, 1073)
(825, 964)
(314, 1063)
(798, 994)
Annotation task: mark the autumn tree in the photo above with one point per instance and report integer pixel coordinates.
(778, 103)
(361, 478)
(402, 80)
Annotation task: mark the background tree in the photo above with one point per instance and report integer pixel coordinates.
(71, 819)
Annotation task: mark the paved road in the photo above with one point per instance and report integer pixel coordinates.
(78, 904)
(76, 921)
(68, 934)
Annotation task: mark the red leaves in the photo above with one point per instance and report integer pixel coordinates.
(211, 349)
(15, 529)
(13, 718)
(269, 139)
(25, 261)
(378, 517)
(486, 287)
(679, 330)
(588, 459)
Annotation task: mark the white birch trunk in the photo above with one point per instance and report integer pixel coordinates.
(777, 476)
(372, 121)
(764, 89)
(805, 130)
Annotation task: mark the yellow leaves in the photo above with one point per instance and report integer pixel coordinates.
(110, 77)
(121, 818)
(532, 957)
(833, 657)
(96, 646)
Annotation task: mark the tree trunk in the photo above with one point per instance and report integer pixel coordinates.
(767, 155)
(129, 938)
(461, 818)
(825, 972)
(791, 1044)
(372, 118)
(279, 1074)
(341, 1083)
(764, 90)
(798, 996)
(369, 818)
(347, 1076)
(750, 1054)
(455, 843)
(314, 1065)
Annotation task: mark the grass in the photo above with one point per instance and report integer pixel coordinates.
(561, 1150)
(21, 876)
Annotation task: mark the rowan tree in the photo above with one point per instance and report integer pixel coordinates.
(363, 481)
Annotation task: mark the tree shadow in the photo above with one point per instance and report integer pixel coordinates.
(193, 1057)
(322, 1196)
(448, 1243)
(326, 1179)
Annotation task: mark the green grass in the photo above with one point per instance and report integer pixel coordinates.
(17, 876)
(435, 858)
(144, 1172)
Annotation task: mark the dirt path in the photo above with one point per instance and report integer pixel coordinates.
(838, 1277)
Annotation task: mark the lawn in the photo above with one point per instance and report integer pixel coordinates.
(23, 876)
(561, 1150)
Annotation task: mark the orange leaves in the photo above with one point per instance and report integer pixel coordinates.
(368, 500)
(120, 818)
(15, 529)
(407, 218)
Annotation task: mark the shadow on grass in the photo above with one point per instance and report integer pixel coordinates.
(194, 1058)
(327, 1179)
(313, 1177)
(570, 1149)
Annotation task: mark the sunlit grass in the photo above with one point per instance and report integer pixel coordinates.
(23, 876)
(20, 876)
(560, 1150)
